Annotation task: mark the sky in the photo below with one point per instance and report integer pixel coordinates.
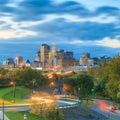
(81, 26)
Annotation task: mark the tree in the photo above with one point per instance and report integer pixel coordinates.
(100, 88)
(82, 84)
(48, 111)
(107, 75)
(26, 77)
(3, 71)
(85, 83)
(113, 71)
(53, 113)
(118, 96)
(70, 84)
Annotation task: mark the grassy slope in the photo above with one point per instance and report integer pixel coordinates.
(8, 94)
(17, 115)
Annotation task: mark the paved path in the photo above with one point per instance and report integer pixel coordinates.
(5, 117)
(101, 106)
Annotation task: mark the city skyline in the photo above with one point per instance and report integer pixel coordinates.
(81, 26)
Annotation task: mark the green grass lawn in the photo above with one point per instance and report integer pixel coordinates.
(19, 115)
(20, 93)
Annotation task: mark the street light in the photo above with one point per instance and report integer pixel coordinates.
(3, 98)
(11, 83)
(52, 84)
(78, 96)
(3, 108)
(14, 85)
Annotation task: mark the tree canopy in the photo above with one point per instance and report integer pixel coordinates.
(107, 75)
(82, 84)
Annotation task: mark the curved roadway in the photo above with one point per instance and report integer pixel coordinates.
(101, 106)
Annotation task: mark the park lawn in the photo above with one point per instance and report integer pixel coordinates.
(19, 115)
(20, 93)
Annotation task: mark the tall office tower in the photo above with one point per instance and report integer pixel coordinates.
(50, 59)
(55, 61)
(53, 49)
(19, 60)
(54, 54)
(44, 54)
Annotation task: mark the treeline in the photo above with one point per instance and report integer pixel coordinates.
(26, 77)
(103, 80)
(100, 81)
(107, 78)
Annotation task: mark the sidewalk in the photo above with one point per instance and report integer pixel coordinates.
(5, 117)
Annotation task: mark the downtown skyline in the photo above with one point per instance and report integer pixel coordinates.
(81, 26)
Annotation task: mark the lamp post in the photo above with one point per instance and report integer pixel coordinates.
(52, 84)
(14, 91)
(11, 83)
(78, 96)
(3, 108)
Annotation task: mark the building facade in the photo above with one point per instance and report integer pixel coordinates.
(53, 58)
(85, 60)
(19, 60)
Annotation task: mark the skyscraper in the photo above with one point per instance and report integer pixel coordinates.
(44, 54)
(54, 58)
(19, 60)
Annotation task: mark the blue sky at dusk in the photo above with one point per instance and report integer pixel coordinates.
(74, 25)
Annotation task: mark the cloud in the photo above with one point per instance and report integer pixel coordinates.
(68, 29)
(76, 42)
(105, 42)
(112, 11)
(6, 34)
(65, 25)
(37, 8)
(94, 4)
(66, 20)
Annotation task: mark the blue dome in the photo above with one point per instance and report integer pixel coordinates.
(28, 62)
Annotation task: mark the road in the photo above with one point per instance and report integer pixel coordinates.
(60, 104)
(17, 108)
(101, 106)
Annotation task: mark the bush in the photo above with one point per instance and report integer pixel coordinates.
(53, 113)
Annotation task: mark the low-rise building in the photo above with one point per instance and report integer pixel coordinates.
(9, 62)
(85, 60)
